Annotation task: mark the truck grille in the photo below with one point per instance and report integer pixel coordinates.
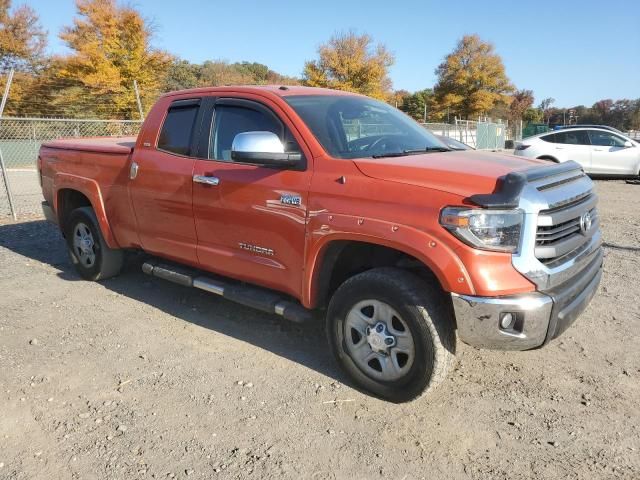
(563, 231)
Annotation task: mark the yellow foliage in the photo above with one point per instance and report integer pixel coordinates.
(472, 79)
(111, 47)
(349, 62)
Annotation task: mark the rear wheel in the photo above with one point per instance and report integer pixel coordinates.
(89, 253)
(392, 333)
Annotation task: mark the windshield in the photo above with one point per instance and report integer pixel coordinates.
(356, 127)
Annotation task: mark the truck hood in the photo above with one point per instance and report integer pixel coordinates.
(464, 173)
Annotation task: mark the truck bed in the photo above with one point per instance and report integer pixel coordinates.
(119, 145)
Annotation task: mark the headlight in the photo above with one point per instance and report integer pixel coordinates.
(497, 230)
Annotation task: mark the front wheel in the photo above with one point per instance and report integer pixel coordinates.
(392, 332)
(89, 253)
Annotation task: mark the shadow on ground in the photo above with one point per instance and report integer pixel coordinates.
(304, 344)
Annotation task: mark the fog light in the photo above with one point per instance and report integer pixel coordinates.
(507, 321)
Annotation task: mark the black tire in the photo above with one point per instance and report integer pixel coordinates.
(107, 262)
(424, 308)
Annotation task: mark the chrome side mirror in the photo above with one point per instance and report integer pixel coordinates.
(262, 148)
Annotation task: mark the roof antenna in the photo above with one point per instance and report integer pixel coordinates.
(283, 87)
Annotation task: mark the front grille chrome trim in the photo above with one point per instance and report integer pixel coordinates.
(552, 246)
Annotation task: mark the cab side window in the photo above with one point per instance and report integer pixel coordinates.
(604, 139)
(230, 120)
(177, 130)
(572, 137)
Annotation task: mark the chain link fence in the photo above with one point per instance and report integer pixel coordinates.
(20, 140)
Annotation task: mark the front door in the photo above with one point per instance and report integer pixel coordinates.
(250, 219)
(609, 156)
(161, 187)
(574, 145)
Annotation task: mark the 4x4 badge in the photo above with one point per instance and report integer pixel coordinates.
(289, 199)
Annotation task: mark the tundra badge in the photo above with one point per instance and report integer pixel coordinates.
(256, 249)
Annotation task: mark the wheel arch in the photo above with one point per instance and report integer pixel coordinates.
(73, 192)
(548, 157)
(339, 258)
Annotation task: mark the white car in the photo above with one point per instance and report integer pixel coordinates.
(600, 150)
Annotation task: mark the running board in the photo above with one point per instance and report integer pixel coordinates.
(254, 297)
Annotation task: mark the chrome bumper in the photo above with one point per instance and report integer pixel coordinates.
(539, 316)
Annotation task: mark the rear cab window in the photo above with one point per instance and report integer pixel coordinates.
(176, 135)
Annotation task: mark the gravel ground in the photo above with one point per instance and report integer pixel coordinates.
(27, 194)
(138, 378)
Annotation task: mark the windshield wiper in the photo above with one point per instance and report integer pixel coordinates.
(429, 149)
(404, 153)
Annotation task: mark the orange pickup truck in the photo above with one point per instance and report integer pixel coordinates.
(311, 203)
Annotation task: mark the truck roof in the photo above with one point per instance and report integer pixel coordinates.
(279, 90)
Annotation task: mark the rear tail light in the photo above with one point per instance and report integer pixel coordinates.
(522, 147)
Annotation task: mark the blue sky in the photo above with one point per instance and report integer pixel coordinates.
(576, 51)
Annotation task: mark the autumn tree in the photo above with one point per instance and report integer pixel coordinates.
(521, 100)
(351, 62)
(112, 49)
(545, 108)
(471, 79)
(22, 39)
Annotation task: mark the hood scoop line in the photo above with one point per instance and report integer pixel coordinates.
(510, 186)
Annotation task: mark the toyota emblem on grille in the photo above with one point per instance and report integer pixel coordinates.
(585, 222)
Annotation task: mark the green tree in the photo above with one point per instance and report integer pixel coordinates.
(180, 75)
(418, 104)
(532, 115)
(471, 79)
(111, 47)
(351, 62)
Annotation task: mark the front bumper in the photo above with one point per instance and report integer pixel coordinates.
(539, 316)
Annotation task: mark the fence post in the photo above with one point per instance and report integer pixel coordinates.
(135, 87)
(5, 177)
(5, 174)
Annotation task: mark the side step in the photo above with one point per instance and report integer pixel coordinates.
(254, 297)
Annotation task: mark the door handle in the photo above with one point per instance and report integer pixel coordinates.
(598, 149)
(133, 171)
(206, 180)
(559, 148)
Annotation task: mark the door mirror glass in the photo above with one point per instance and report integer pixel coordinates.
(262, 148)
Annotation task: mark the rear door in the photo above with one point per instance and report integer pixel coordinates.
(251, 219)
(574, 145)
(609, 156)
(161, 185)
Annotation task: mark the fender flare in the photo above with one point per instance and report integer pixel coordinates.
(434, 254)
(90, 189)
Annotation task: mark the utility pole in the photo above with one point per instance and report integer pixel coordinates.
(135, 88)
(5, 175)
(425, 112)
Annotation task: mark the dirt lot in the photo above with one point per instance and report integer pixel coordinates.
(137, 378)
